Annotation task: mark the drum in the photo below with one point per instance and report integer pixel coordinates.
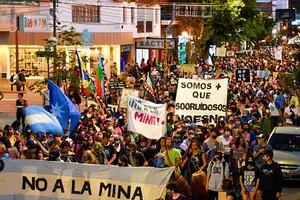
(199, 185)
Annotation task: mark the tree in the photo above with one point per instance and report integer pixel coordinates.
(232, 21)
(61, 69)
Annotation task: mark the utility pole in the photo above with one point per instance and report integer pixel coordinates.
(17, 42)
(167, 29)
(54, 35)
(54, 17)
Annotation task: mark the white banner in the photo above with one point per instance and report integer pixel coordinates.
(200, 99)
(124, 98)
(47, 180)
(146, 118)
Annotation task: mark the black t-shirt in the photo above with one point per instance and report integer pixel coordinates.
(19, 103)
(109, 151)
(181, 197)
(140, 159)
(249, 176)
(4, 140)
(195, 161)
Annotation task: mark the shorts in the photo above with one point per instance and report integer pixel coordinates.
(250, 188)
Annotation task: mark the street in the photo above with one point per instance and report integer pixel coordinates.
(291, 190)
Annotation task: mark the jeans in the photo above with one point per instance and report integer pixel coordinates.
(213, 195)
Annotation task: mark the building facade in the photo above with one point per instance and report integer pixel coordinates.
(108, 29)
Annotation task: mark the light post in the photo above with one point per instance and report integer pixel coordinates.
(50, 51)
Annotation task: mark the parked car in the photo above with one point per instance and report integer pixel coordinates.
(286, 148)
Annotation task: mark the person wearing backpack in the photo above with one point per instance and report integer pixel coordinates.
(217, 172)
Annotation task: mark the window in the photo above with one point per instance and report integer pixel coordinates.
(124, 14)
(140, 26)
(285, 142)
(132, 15)
(86, 13)
(148, 26)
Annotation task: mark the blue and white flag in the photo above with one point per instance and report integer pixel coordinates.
(40, 120)
(63, 108)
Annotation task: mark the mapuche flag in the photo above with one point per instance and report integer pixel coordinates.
(149, 87)
(99, 81)
(87, 85)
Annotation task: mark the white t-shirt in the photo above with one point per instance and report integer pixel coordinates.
(273, 110)
(288, 112)
(224, 143)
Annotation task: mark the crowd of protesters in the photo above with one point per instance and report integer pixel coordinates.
(231, 156)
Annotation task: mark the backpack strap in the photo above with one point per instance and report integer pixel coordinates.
(224, 166)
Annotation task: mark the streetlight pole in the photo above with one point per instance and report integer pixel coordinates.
(54, 18)
(167, 29)
(54, 33)
(17, 43)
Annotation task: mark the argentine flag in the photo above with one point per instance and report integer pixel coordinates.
(40, 120)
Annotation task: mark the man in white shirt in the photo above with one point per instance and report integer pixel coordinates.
(274, 112)
(291, 113)
(224, 141)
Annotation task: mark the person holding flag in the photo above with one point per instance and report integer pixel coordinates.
(87, 84)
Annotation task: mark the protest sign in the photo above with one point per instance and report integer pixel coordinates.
(262, 74)
(40, 180)
(112, 108)
(197, 100)
(125, 93)
(278, 53)
(221, 51)
(146, 118)
(242, 75)
(116, 85)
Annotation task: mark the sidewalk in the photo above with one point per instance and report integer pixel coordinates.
(8, 104)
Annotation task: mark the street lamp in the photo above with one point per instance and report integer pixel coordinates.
(50, 50)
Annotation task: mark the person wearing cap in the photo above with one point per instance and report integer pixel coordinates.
(270, 185)
(259, 149)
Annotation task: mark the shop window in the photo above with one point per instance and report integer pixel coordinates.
(86, 13)
(140, 26)
(124, 14)
(149, 26)
(28, 60)
(132, 15)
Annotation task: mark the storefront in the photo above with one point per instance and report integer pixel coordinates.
(151, 48)
(36, 67)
